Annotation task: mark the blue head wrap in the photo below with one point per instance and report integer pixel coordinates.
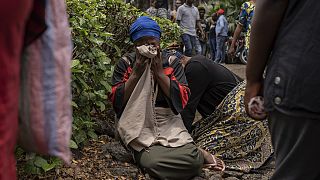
(144, 26)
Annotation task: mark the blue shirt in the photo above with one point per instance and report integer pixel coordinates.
(222, 26)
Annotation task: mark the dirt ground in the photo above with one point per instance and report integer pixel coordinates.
(239, 69)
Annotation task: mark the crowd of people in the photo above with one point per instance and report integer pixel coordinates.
(201, 35)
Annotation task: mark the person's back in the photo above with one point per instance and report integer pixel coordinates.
(209, 84)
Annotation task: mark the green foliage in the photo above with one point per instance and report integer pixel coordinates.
(100, 30)
(36, 164)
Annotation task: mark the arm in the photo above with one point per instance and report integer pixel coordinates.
(138, 69)
(200, 27)
(124, 79)
(179, 16)
(265, 25)
(235, 37)
(242, 21)
(219, 27)
(197, 79)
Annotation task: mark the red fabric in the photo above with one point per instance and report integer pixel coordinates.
(184, 90)
(125, 79)
(220, 11)
(13, 15)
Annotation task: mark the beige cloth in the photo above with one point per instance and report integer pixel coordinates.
(142, 125)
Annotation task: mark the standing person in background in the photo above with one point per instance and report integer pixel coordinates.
(162, 7)
(245, 18)
(285, 39)
(152, 11)
(222, 35)
(212, 36)
(205, 27)
(173, 14)
(158, 8)
(188, 18)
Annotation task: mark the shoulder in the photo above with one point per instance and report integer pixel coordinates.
(198, 63)
(245, 5)
(128, 58)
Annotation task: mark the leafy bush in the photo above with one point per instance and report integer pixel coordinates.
(100, 36)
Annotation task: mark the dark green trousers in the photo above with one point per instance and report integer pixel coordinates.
(161, 162)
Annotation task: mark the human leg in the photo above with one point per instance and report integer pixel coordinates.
(223, 52)
(219, 49)
(295, 145)
(203, 48)
(212, 42)
(186, 40)
(162, 162)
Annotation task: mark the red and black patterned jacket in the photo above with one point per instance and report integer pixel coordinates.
(179, 91)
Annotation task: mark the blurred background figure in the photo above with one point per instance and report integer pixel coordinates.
(212, 35)
(173, 13)
(188, 18)
(203, 38)
(158, 8)
(221, 35)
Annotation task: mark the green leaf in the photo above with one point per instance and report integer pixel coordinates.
(93, 135)
(74, 63)
(83, 83)
(48, 167)
(39, 161)
(74, 104)
(31, 169)
(73, 145)
(101, 105)
(80, 137)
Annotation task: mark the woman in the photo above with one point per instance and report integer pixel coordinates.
(225, 130)
(148, 93)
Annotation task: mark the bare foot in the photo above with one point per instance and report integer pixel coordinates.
(212, 162)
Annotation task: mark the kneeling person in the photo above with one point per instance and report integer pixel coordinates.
(148, 93)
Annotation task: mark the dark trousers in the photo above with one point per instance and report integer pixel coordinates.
(212, 43)
(220, 49)
(297, 147)
(190, 43)
(161, 162)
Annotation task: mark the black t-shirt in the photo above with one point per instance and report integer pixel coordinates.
(292, 83)
(209, 84)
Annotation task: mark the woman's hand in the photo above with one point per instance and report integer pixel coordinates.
(140, 65)
(156, 65)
